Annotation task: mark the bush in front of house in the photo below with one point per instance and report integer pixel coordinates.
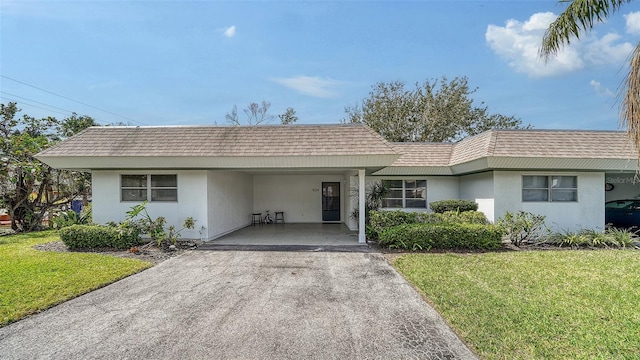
(442, 236)
(453, 205)
(522, 228)
(610, 238)
(467, 217)
(123, 236)
(381, 220)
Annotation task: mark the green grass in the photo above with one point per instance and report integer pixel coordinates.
(32, 280)
(536, 304)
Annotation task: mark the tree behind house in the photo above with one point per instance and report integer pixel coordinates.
(256, 114)
(435, 111)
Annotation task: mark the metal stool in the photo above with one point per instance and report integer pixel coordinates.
(256, 218)
(279, 216)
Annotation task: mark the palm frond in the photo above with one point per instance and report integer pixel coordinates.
(579, 16)
(630, 94)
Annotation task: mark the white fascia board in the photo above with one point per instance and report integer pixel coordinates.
(562, 163)
(236, 162)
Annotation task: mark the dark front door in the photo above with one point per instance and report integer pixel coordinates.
(330, 201)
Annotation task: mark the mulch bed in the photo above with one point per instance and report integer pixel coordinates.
(148, 252)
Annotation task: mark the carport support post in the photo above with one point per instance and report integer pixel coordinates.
(362, 238)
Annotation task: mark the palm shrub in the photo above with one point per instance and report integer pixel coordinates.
(375, 192)
(70, 217)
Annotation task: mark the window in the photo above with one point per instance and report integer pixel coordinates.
(149, 187)
(133, 187)
(164, 188)
(405, 194)
(550, 188)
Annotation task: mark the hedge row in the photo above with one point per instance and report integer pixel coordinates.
(380, 220)
(442, 236)
(453, 205)
(99, 236)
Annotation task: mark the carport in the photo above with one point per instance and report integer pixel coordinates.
(304, 234)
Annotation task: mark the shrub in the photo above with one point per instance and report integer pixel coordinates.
(99, 236)
(155, 229)
(68, 218)
(380, 220)
(467, 217)
(523, 227)
(453, 205)
(612, 237)
(442, 236)
(624, 238)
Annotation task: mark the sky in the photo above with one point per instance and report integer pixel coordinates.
(190, 62)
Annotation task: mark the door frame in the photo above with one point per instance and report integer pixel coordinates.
(338, 195)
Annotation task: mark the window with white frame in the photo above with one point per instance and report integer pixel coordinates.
(539, 188)
(148, 187)
(405, 194)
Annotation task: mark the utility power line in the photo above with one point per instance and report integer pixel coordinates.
(21, 102)
(70, 99)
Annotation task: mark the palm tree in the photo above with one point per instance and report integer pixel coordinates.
(579, 17)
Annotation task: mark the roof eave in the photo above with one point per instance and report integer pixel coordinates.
(229, 162)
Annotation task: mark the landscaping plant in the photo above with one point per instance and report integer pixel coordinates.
(121, 236)
(609, 238)
(155, 228)
(442, 236)
(453, 205)
(374, 194)
(523, 227)
(70, 217)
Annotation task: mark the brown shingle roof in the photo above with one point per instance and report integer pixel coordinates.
(289, 140)
(562, 144)
(423, 154)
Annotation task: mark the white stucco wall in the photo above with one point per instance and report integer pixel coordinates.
(299, 196)
(479, 188)
(229, 200)
(587, 212)
(625, 186)
(192, 189)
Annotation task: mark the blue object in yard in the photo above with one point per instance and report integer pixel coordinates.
(76, 205)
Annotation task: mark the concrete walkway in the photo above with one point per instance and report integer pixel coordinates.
(243, 305)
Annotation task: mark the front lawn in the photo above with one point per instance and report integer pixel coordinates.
(32, 280)
(536, 304)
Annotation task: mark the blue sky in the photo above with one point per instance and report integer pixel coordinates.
(177, 63)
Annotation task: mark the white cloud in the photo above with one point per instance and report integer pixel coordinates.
(518, 43)
(605, 51)
(230, 31)
(633, 22)
(603, 91)
(310, 85)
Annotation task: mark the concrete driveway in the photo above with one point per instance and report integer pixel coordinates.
(243, 305)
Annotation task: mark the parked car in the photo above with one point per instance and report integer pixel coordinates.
(622, 214)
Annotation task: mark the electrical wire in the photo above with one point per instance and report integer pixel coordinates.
(70, 99)
(34, 106)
